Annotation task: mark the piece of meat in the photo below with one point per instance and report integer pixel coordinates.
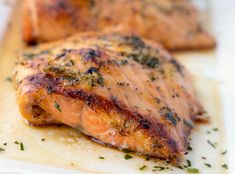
(120, 90)
(173, 23)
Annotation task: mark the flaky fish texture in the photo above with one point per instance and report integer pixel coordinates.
(173, 23)
(120, 90)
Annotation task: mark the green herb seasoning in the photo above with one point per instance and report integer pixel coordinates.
(210, 143)
(134, 42)
(152, 78)
(147, 158)
(122, 62)
(158, 168)
(43, 139)
(143, 167)
(21, 146)
(145, 59)
(215, 129)
(169, 115)
(49, 90)
(57, 106)
(208, 165)
(91, 77)
(189, 164)
(29, 56)
(225, 166)
(157, 100)
(9, 79)
(180, 167)
(127, 157)
(16, 142)
(224, 152)
(2, 149)
(192, 170)
(189, 148)
(101, 157)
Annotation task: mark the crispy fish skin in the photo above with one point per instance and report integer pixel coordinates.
(174, 24)
(121, 90)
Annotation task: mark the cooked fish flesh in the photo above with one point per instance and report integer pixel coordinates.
(118, 89)
(173, 23)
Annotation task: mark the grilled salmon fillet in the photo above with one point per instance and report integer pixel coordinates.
(173, 23)
(118, 89)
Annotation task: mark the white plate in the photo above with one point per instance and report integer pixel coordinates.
(224, 26)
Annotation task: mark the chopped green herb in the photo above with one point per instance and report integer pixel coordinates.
(57, 106)
(9, 79)
(29, 56)
(189, 164)
(192, 170)
(21, 146)
(100, 80)
(208, 132)
(208, 165)
(215, 129)
(143, 167)
(43, 139)
(180, 167)
(46, 52)
(89, 78)
(135, 42)
(127, 157)
(158, 168)
(177, 66)
(16, 142)
(4, 144)
(122, 62)
(169, 115)
(189, 148)
(212, 145)
(147, 158)
(158, 101)
(2, 149)
(225, 166)
(49, 90)
(145, 59)
(224, 152)
(101, 157)
(152, 78)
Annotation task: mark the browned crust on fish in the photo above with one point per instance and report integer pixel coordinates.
(174, 24)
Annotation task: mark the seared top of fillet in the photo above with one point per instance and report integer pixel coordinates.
(173, 23)
(117, 75)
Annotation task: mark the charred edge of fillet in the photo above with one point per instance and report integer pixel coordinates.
(177, 66)
(97, 102)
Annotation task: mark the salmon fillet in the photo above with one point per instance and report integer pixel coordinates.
(120, 90)
(173, 23)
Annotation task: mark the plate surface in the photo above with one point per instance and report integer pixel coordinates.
(63, 147)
